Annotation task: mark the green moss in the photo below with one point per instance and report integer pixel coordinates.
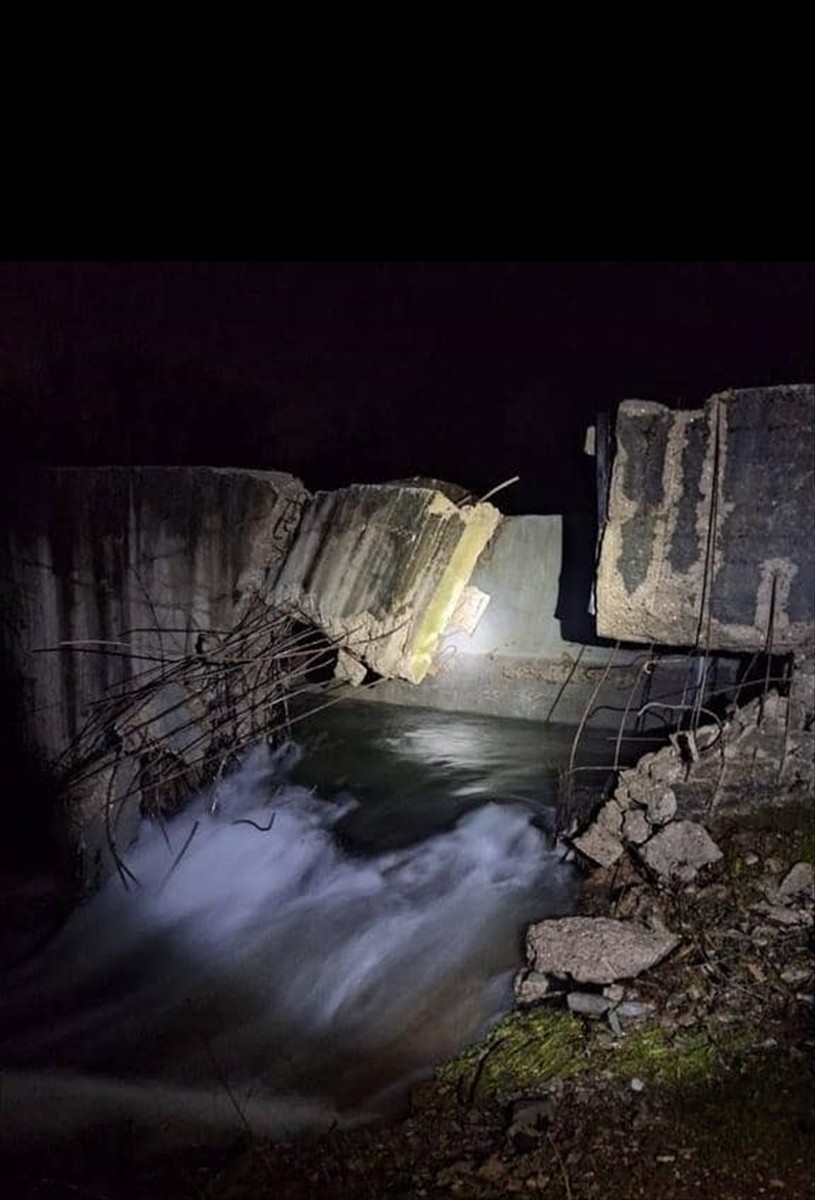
(672, 1062)
(523, 1052)
(528, 1049)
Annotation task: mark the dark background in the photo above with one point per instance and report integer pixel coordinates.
(344, 372)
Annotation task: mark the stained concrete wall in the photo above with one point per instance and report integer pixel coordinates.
(710, 538)
(107, 571)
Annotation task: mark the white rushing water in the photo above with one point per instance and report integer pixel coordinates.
(261, 974)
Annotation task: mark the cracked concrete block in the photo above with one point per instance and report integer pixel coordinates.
(595, 949)
(601, 841)
(679, 850)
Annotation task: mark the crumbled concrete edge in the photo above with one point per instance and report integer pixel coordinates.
(653, 820)
(658, 811)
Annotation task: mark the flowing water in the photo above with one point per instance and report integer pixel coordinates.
(306, 939)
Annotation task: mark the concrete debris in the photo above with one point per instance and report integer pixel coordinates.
(602, 842)
(636, 829)
(595, 950)
(661, 807)
(800, 879)
(349, 669)
(529, 1121)
(531, 986)
(588, 1004)
(735, 765)
(782, 915)
(679, 850)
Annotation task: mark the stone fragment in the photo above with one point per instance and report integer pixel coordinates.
(667, 766)
(799, 880)
(662, 806)
(679, 850)
(782, 915)
(601, 841)
(531, 986)
(530, 1120)
(588, 1004)
(349, 669)
(633, 1010)
(635, 827)
(615, 992)
(595, 950)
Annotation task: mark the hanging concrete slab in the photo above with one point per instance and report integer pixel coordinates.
(383, 568)
(710, 537)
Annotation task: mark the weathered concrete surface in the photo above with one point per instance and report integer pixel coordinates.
(517, 662)
(384, 567)
(595, 949)
(680, 850)
(108, 571)
(710, 538)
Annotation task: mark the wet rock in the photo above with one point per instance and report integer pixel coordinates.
(601, 842)
(799, 880)
(595, 950)
(679, 850)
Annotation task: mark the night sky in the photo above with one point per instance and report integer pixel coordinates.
(343, 372)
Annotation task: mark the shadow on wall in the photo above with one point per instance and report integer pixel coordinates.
(577, 568)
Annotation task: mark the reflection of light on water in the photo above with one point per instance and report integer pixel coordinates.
(313, 981)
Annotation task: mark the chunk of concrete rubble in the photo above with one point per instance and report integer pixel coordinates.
(601, 842)
(661, 806)
(531, 986)
(679, 850)
(799, 880)
(595, 949)
(588, 1004)
(635, 827)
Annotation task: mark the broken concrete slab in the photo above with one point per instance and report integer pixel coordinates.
(679, 850)
(595, 949)
(711, 523)
(602, 841)
(382, 569)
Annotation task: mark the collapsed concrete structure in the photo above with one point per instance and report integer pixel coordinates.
(147, 610)
(384, 571)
